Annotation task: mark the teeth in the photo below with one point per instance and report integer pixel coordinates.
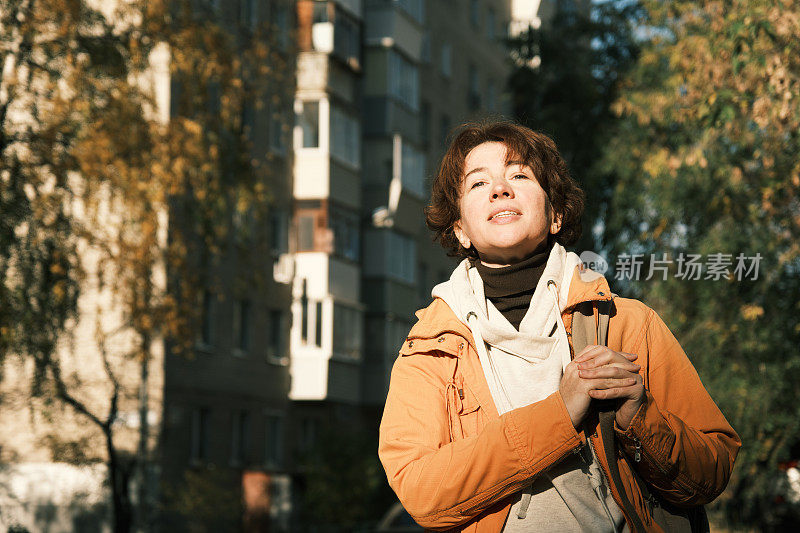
(504, 213)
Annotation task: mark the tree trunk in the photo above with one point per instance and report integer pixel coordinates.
(144, 435)
(119, 476)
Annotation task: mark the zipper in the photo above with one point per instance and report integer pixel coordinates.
(606, 480)
(602, 472)
(579, 451)
(615, 496)
(687, 485)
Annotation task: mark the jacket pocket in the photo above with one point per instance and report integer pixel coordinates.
(463, 410)
(469, 418)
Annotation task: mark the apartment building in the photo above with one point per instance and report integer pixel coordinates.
(381, 83)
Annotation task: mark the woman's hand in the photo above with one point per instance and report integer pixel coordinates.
(601, 373)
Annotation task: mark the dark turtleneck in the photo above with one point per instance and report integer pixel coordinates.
(511, 288)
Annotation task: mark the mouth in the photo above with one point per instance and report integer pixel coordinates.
(504, 214)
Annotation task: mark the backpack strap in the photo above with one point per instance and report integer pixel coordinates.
(670, 518)
(586, 331)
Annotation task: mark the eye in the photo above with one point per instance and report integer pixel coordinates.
(519, 177)
(477, 184)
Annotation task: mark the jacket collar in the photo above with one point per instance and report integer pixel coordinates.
(438, 327)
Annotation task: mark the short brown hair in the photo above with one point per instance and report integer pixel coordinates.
(536, 150)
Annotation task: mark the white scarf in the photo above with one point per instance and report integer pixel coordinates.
(525, 366)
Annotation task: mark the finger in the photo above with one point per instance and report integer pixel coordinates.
(609, 383)
(606, 358)
(609, 372)
(592, 350)
(628, 367)
(602, 357)
(614, 393)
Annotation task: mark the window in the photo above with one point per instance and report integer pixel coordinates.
(425, 53)
(207, 319)
(304, 303)
(283, 25)
(213, 96)
(413, 8)
(279, 231)
(346, 232)
(318, 323)
(345, 137)
(346, 38)
(491, 96)
(276, 344)
(305, 233)
(200, 434)
(241, 325)
(392, 255)
(243, 224)
(248, 118)
(347, 331)
(474, 13)
(273, 442)
(248, 17)
(396, 333)
(401, 256)
(422, 284)
(425, 123)
(403, 80)
(320, 13)
(447, 60)
(444, 129)
(308, 434)
(474, 95)
(277, 137)
(240, 437)
(413, 169)
(308, 120)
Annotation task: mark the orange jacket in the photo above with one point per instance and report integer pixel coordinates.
(454, 463)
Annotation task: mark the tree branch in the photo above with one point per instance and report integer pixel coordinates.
(64, 395)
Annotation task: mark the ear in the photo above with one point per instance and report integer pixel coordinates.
(461, 236)
(555, 225)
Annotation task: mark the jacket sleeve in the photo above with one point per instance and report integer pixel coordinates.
(678, 441)
(443, 484)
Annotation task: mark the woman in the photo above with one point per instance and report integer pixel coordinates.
(492, 421)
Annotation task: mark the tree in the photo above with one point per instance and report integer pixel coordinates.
(565, 80)
(109, 204)
(705, 154)
(343, 487)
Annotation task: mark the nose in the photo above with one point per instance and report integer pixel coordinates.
(501, 189)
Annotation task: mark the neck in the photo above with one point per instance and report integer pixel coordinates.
(510, 288)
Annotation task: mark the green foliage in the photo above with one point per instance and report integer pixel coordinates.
(705, 161)
(204, 500)
(564, 83)
(344, 485)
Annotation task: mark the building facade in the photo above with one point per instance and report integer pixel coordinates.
(381, 84)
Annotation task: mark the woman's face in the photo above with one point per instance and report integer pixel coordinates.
(503, 207)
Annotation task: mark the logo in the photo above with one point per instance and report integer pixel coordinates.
(594, 261)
